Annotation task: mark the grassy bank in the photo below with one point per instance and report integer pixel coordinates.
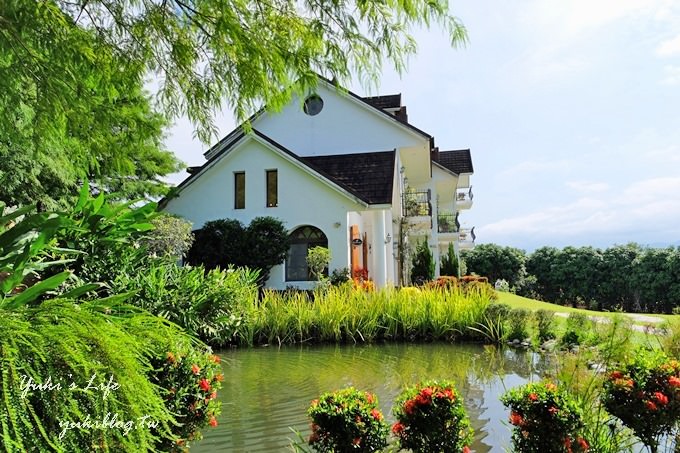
(343, 314)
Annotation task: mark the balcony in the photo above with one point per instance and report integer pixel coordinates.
(466, 238)
(464, 198)
(417, 208)
(447, 223)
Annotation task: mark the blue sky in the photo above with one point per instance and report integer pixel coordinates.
(571, 110)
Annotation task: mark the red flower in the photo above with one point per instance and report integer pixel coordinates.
(369, 398)
(219, 377)
(583, 444)
(356, 441)
(661, 398)
(195, 369)
(550, 386)
(674, 381)
(204, 384)
(171, 357)
(466, 449)
(567, 443)
(213, 421)
(315, 403)
(213, 395)
(449, 394)
(427, 392)
(397, 428)
(533, 397)
(409, 407)
(314, 437)
(376, 414)
(553, 410)
(615, 375)
(516, 419)
(650, 405)
(215, 359)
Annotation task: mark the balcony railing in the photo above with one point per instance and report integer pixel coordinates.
(464, 195)
(448, 223)
(416, 203)
(467, 237)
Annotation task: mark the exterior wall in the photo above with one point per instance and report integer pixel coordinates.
(344, 126)
(302, 200)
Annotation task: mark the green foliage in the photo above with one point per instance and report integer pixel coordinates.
(645, 396)
(545, 418)
(518, 320)
(423, 264)
(431, 418)
(577, 330)
(211, 305)
(340, 276)
(220, 243)
(670, 340)
(73, 107)
(347, 421)
(493, 326)
(496, 262)
(62, 343)
(545, 324)
(170, 237)
(450, 263)
(318, 259)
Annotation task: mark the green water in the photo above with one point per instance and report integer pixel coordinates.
(267, 390)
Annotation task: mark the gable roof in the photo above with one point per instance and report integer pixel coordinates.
(369, 175)
(458, 161)
(377, 104)
(341, 172)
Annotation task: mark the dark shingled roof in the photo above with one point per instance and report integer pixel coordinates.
(389, 101)
(458, 161)
(368, 175)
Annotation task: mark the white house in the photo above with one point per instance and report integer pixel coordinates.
(341, 171)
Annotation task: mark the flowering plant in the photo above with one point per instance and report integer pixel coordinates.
(431, 418)
(347, 421)
(189, 379)
(645, 396)
(545, 418)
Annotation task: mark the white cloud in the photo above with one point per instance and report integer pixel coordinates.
(651, 204)
(672, 75)
(669, 47)
(588, 186)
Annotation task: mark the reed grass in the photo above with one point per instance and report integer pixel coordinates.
(347, 315)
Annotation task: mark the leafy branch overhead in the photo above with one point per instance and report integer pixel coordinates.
(206, 53)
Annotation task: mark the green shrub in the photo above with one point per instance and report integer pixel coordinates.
(347, 421)
(431, 418)
(423, 264)
(213, 305)
(578, 328)
(545, 324)
(545, 419)
(317, 261)
(171, 236)
(340, 276)
(449, 264)
(670, 339)
(518, 320)
(261, 245)
(645, 396)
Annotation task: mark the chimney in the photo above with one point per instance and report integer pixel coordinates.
(401, 114)
(434, 154)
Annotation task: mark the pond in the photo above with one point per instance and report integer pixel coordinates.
(267, 390)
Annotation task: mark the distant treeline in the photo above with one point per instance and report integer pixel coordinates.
(628, 277)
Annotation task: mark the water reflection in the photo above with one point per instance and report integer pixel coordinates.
(267, 390)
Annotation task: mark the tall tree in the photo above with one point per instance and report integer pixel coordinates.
(72, 71)
(496, 262)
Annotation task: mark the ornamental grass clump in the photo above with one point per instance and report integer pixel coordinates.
(431, 418)
(645, 396)
(546, 419)
(347, 421)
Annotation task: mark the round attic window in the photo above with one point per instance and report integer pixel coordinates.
(313, 105)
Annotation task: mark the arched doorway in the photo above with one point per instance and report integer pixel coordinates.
(301, 240)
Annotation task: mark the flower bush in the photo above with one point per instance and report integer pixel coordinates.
(189, 379)
(645, 396)
(347, 421)
(546, 419)
(431, 418)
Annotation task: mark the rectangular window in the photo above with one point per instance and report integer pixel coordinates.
(272, 188)
(240, 190)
